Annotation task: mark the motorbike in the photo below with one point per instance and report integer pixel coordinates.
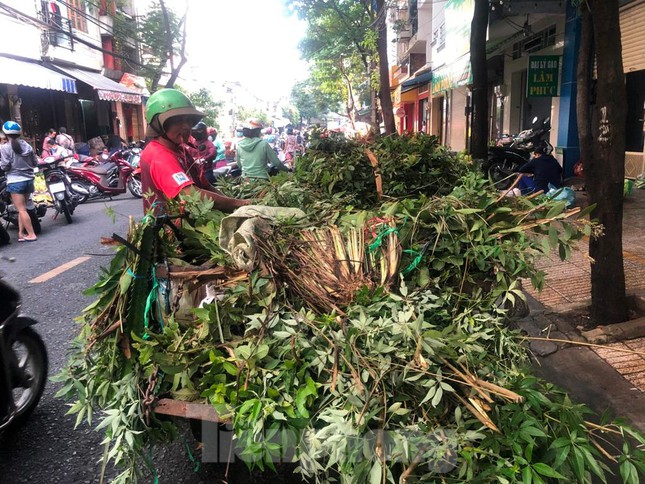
(64, 197)
(511, 152)
(9, 213)
(103, 177)
(23, 361)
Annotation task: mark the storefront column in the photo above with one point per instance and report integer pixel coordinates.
(568, 143)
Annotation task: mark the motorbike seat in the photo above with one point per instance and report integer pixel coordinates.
(102, 169)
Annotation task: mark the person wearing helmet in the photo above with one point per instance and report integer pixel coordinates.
(540, 171)
(18, 160)
(201, 148)
(167, 169)
(253, 154)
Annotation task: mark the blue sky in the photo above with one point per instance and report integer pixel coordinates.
(249, 41)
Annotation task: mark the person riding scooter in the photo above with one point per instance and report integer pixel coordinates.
(201, 148)
(254, 155)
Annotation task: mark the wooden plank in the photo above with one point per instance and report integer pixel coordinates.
(198, 411)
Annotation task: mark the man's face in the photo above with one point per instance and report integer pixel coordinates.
(178, 128)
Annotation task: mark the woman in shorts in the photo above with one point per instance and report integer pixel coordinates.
(17, 160)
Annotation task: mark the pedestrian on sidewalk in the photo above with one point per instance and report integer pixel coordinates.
(18, 160)
(65, 140)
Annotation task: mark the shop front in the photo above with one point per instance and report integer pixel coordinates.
(108, 108)
(450, 101)
(36, 97)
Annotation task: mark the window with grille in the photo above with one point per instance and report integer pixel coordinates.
(77, 14)
(535, 42)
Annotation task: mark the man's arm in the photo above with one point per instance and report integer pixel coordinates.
(221, 202)
(528, 167)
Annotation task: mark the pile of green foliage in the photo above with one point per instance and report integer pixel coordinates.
(393, 379)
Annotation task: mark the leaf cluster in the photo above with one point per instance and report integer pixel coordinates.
(419, 378)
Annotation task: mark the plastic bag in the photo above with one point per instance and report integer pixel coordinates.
(565, 193)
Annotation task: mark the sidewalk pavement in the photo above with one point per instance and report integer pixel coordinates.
(611, 376)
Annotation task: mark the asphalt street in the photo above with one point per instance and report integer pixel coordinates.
(48, 449)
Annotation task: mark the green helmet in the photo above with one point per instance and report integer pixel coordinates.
(165, 104)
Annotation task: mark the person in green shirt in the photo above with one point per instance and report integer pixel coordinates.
(254, 155)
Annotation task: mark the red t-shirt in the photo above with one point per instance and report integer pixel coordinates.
(163, 171)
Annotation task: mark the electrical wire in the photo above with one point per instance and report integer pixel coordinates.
(16, 14)
(100, 23)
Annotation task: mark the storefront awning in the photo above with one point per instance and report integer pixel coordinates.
(416, 81)
(106, 89)
(25, 73)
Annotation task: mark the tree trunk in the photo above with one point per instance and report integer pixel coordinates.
(605, 175)
(384, 71)
(174, 70)
(479, 69)
(583, 81)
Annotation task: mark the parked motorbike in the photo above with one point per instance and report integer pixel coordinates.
(512, 152)
(9, 213)
(23, 361)
(103, 177)
(64, 197)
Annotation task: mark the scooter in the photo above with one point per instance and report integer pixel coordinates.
(9, 213)
(102, 177)
(512, 152)
(64, 198)
(23, 360)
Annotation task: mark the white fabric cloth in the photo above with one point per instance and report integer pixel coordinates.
(237, 230)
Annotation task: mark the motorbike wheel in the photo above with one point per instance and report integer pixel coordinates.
(35, 221)
(67, 210)
(4, 235)
(135, 187)
(500, 171)
(28, 368)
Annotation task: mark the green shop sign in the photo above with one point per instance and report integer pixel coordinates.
(544, 76)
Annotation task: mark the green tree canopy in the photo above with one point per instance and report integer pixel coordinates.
(163, 35)
(203, 100)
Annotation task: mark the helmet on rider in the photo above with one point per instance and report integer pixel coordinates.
(166, 104)
(252, 128)
(11, 127)
(199, 131)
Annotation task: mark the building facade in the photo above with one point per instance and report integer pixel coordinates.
(52, 75)
(532, 52)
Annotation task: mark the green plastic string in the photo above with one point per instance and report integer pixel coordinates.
(152, 299)
(379, 238)
(195, 462)
(417, 259)
(132, 274)
(413, 265)
(148, 461)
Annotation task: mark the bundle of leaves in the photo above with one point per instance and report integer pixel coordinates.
(407, 371)
(409, 165)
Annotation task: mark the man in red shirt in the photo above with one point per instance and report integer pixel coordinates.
(167, 169)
